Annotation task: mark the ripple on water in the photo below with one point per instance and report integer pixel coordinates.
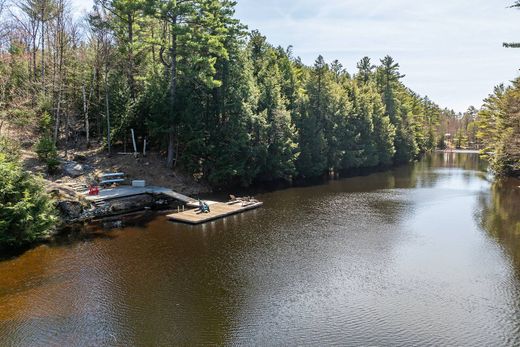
(360, 261)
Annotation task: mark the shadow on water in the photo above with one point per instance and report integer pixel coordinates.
(98, 229)
(11, 253)
(101, 228)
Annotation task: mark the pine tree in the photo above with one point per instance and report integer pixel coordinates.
(194, 40)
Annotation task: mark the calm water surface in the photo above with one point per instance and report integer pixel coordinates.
(427, 254)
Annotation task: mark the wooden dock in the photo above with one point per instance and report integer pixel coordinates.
(193, 216)
(128, 191)
(218, 210)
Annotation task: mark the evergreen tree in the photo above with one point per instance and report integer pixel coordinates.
(194, 40)
(26, 212)
(499, 129)
(313, 159)
(399, 112)
(365, 70)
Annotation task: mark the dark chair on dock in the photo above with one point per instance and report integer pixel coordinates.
(244, 201)
(233, 200)
(203, 207)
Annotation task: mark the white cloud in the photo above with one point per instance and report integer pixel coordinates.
(449, 50)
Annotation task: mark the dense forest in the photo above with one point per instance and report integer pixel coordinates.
(218, 100)
(214, 99)
(499, 128)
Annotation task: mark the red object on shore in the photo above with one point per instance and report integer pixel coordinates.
(94, 190)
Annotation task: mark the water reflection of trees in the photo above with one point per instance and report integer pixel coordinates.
(466, 161)
(430, 170)
(499, 215)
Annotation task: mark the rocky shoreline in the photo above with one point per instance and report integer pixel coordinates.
(74, 176)
(73, 208)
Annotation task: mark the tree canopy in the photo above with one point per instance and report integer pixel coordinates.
(219, 101)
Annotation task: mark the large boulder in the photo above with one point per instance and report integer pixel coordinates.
(74, 169)
(130, 204)
(60, 191)
(70, 210)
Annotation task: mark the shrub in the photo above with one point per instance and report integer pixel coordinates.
(10, 149)
(20, 117)
(47, 152)
(26, 211)
(45, 121)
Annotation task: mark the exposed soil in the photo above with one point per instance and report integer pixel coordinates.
(150, 168)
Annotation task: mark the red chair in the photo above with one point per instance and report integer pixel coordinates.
(93, 190)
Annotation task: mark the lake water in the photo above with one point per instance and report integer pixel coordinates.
(425, 254)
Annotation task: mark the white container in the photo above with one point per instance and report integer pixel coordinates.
(138, 183)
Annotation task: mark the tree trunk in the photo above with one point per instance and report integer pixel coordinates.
(67, 125)
(57, 121)
(131, 80)
(107, 109)
(173, 92)
(43, 51)
(154, 59)
(85, 112)
(171, 148)
(34, 72)
(97, 78)
(61, 74)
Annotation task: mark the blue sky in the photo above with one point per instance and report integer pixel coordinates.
(449, 50)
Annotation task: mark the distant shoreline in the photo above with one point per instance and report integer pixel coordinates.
(474, 151)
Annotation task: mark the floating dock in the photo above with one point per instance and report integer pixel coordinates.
(193, 216)
(218, 210)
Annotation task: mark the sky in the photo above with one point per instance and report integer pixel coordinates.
(449, 50)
